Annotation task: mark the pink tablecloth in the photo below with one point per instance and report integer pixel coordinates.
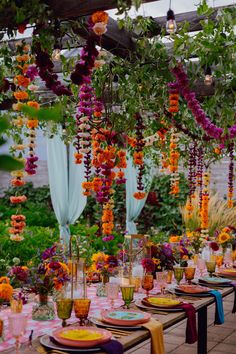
(44, 327)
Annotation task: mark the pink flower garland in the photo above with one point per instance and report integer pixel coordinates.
(210, 128)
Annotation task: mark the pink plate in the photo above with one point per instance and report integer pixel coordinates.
(125, 317)
(193, 289)
(58, 335)
(229, 272)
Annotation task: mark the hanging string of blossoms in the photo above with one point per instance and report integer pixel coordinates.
(199, 174)
(231, 176)
(21, 81)
(138, 156)
(201, 118)
(205, 205)
(191, 178)
(174, 164)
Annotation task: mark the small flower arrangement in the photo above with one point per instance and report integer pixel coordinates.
(103, 263)
(225, 237)
(163, 256)
(148, 265)
(44, 277)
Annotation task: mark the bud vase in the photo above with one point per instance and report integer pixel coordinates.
(101, 288)
(44, 309)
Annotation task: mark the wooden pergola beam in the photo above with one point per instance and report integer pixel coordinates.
(76, 8)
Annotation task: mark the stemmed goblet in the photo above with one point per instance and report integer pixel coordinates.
(112, 290)
(17, 326)
(178, 273)
(64, 309)
(211, 267)
(147, 283)
(127, 292)
(162, 278)
(189, 273)
(81, 308)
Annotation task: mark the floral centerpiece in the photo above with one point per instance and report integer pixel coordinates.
(225, 237)
(163, 256)
(105, 265)
(42, 279)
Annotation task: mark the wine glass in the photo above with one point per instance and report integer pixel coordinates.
(112, 290)
(81, 308)
(189, 273)
(127, 292)
(64, 309)
(162, 278)
(178, 273)
(17, 326)
(201, 266)
(211, 267)
(147, 283)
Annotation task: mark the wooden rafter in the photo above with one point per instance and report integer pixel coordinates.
(74, 8)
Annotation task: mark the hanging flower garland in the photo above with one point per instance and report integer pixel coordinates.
(231, 176)
(199, 174)
(174, 164)
(191, 178)
(138, 156)
(205, 205)
(45, 69)
(201, 118)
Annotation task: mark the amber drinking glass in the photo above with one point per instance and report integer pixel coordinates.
(16, 305)
(64, 309)
(127, 292)
(81, 308)
(189, 273)
(178, 273)
(211, 267)
(147, 283)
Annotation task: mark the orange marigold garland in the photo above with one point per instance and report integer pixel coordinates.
(173, 166)
(205, 205)
(138, 157)
(191, 178)
(231, 176)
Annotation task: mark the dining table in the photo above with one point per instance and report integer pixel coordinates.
(128, 338)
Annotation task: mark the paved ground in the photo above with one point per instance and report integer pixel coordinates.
(221, 339)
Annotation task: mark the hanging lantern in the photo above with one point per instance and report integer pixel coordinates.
(171, 26)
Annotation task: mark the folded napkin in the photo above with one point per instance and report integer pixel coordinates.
(112, 347)
(219, 312)
(191, 328)
(156, 331)
(233, 284)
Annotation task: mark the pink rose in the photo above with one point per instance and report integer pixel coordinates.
(99, 28)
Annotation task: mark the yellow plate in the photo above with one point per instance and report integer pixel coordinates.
(80, 334)
(162, 301)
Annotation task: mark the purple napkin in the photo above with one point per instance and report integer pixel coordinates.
(112, 347)
(191, 328)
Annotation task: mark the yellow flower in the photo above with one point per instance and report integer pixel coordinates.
(223, 237)
(185, 257)
(174, 239)
(156, 261)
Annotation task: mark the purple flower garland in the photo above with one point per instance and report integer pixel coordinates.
(45, 69)
(210, 128)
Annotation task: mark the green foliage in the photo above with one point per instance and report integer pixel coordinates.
(37, 209)
(36, 240)
(163, 215)
(44, 114)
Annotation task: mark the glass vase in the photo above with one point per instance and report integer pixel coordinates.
(44, 309)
